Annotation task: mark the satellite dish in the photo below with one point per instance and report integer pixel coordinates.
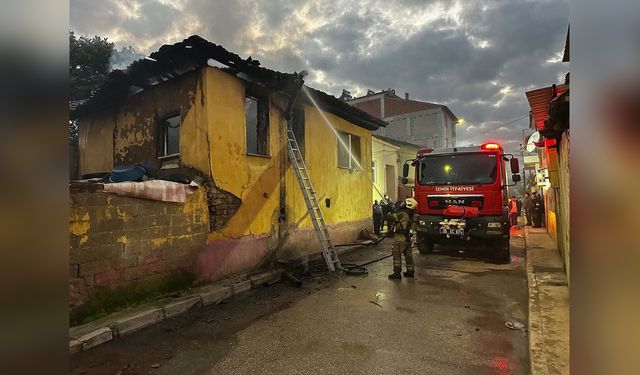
(531, 142)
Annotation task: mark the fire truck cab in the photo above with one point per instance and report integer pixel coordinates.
(462, 196)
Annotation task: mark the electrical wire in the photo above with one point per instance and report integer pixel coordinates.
(497, 127)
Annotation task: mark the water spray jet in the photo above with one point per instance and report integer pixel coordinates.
(335, 132)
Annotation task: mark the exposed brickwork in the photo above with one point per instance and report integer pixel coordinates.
(117, 241)
(397, 106)
(222, 205)
(372, 107)
(393, 106)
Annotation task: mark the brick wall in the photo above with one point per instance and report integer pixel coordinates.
(118, 242)
(372, 107)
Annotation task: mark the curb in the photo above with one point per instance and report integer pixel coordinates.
(90, 335)
(546, 336)
(534, 314)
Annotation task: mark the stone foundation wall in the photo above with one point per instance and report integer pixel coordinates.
(118, 241)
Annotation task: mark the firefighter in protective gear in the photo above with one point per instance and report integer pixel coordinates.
(405, 225)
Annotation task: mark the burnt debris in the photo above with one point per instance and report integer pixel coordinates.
(193, 53)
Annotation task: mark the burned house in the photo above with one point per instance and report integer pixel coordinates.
(195, 109)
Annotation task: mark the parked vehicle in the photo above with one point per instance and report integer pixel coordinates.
(462, 196)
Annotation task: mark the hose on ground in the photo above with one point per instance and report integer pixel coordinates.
(374, 243)
(353, 269)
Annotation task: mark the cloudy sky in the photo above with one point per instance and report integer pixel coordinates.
(476, 56)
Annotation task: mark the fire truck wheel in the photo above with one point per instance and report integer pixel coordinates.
(502, 250)
(424, 245)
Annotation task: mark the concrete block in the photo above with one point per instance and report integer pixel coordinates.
(215, 294)
(92, 268)
(241, 286)
(108, 278)
(176, 308)
(178, 252)
(73, 270)
(75, 346)
(96, 338)
(266, 277)
(138, 321)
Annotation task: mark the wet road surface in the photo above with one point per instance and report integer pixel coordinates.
(450, 319)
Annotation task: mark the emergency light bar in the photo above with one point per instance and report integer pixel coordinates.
(490, 146)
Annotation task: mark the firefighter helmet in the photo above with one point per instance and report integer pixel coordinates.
(410, 203)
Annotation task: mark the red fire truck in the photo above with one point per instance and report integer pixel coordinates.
(462, 197)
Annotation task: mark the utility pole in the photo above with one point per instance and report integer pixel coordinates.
(524, 166)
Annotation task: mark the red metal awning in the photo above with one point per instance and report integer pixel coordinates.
(539, 102)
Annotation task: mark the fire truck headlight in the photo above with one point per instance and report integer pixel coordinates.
(422, 222)
(494, 225)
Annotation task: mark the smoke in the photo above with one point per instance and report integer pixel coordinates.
(121, 59)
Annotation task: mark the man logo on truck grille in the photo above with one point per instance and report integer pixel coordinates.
(454, 201)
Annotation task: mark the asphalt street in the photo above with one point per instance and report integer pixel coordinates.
(450, 319)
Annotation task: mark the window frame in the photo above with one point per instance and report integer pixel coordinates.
(163, 136)
(262, 107)
(351, 165)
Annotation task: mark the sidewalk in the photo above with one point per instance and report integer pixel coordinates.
(548, 305)
(127, 321)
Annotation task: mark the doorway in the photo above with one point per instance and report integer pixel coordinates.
(391, 181)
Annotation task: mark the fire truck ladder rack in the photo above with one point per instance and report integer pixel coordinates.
(297, 161)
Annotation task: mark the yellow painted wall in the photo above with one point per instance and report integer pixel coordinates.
(348, 190)
(127, 135)
(384, 154)
(95, 144)
(564, 222)
(254, 179)
(213, 141)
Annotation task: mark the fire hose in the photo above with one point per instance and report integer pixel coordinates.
(353, 269)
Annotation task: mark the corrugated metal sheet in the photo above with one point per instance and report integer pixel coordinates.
(539, 102)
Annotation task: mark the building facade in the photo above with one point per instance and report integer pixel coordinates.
(421, 123)
(384, 169)
(225, 129)
(389, 155)
(550, 118)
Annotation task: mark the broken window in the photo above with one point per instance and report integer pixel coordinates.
(256, 112)
(348, 150)
(169, 128)
(297, 126)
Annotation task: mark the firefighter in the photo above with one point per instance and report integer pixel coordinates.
(377, 218)
(404, 226)
(537, 205)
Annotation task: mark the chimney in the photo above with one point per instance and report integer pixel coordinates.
(406, 96)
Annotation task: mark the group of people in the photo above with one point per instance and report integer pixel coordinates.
(533, 206)
(381, 211)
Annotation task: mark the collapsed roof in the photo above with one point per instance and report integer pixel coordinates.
(193, 53)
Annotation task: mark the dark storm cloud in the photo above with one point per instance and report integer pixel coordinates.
(153, 19)
(95, 17)
(478, 57)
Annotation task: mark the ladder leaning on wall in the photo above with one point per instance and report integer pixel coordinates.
(310, 198)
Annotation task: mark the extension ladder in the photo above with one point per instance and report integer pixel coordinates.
(297, 161)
